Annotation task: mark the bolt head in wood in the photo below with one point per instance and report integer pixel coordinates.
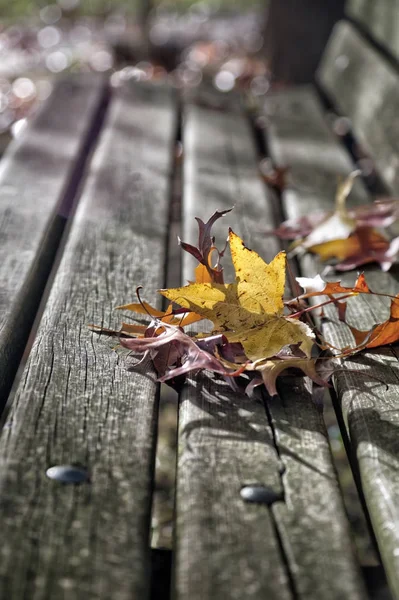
(260, 494)
(67, 474)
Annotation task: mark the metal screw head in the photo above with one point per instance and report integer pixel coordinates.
(260, 494)
(67, 474)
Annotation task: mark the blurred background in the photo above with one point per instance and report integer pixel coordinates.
(247, 44)
(182, 41)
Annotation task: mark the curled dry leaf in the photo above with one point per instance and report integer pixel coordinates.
(300, 227)
(380, 213)
(337, 225)
(205, 273)
(174, 353)
(363, 246)
(383, 212)
(347, 236)
(272, 368)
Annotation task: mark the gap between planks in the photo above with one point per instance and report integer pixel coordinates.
(162, 514)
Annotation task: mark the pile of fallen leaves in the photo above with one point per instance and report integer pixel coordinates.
(256, 335)
(349, 237)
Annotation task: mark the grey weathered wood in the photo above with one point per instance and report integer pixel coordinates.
(37, 182)
(312, 522)
(226, 548)
(299, 138)
(76, 403)
(365, 88)
(380, 19)
(369, 401)
(225, 441)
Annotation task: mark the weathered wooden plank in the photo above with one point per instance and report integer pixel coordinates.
(300, 139)
(312, 522)
(380, 19)
(365, 88)
(76, 403)
(368, 390)
(295, 137)
(224, 547)
(226, 441)
(38, 176)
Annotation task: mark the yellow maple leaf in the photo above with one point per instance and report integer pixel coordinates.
(249, 311)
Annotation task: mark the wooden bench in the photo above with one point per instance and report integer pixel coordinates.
(85, 198)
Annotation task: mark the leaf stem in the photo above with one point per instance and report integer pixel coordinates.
(320, 305)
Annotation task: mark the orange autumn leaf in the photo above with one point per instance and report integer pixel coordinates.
(382, 334)
(316, 286)
(144, 308)
(202, 274)
(365, 242)
(167, 316)
(207, 273)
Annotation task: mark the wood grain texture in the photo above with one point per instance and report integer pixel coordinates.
(225, 548)
(240, 550)
(365, 88)
(299, 138)
(369, 410)
(380, 19)
(76, 403)
(312, 522)
(36, 186)
(368, 391)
